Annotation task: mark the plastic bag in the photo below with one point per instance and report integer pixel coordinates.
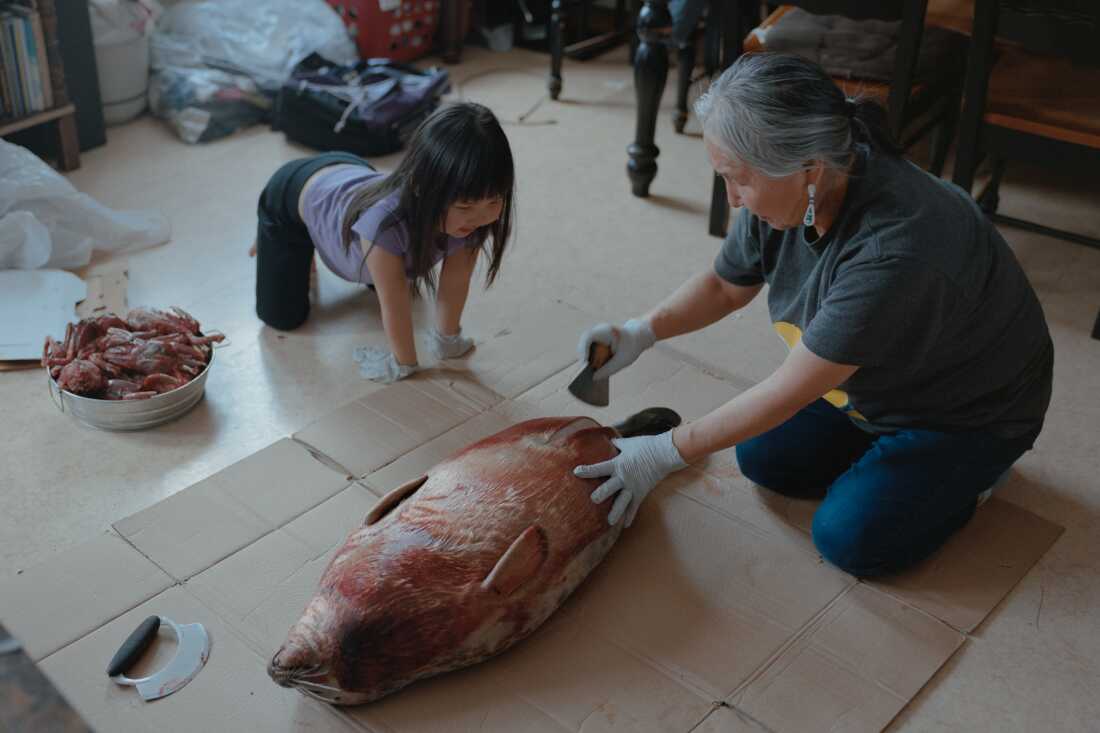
(120, 21)
(217, 64)
(46, 222)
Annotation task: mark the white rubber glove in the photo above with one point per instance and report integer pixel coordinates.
(641, 464)
(380, 365)
(449, 347)
(627, 343)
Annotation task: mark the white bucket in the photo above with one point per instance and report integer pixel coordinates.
(123, 78)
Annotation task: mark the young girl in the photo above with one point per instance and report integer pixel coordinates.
(448, 200)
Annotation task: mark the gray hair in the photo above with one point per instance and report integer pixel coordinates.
(780, 113)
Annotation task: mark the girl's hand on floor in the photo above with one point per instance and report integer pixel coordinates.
(380, 365)
(450, 347)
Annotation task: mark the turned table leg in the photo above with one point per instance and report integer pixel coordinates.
(555, 28)
(650, 75)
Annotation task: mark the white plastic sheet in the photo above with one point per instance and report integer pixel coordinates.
(260, 40)
(46, 222)
(121, 21)
(217, 64)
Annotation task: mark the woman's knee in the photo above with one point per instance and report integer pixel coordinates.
(841, 536)
(756, 462)
(767, 461)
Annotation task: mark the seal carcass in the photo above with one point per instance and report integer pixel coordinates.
(459, 564)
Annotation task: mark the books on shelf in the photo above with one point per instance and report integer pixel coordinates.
(27, 81)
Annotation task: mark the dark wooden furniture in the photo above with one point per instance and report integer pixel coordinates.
(713, 50)
(654, 28)
(59, 122)
(914, 108)
(29, 702)
(587, 44)
(74, 30)
(1034, 95)
(62, 124)
(454, 22)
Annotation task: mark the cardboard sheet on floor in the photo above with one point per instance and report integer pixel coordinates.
(373, 431)
(72, 593)
(960, 584)
(712, 613)
(104, 293)
(853, 668)
(35, 304)
(193, 529)
(231, 693)
(517, 351)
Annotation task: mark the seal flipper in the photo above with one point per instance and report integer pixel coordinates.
(571, 428)
(654, 421)
(519, 563)
(392, 499)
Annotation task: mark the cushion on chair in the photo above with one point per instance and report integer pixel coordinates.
(858, 49)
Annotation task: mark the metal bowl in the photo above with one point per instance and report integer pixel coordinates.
(131, 414)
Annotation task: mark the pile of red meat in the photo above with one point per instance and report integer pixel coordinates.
(147, 353)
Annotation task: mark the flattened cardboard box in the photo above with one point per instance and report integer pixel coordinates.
(379, 428)
(231, 693)
(696, 610)
(75, 592)
(960, 584)
(191, 530)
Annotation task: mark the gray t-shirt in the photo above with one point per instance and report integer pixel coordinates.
(912, 284)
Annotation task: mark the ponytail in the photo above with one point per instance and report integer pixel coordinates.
(870, 126)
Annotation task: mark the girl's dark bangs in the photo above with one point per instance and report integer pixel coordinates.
(483, 176)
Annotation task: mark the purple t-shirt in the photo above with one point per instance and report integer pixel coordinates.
(326, 201)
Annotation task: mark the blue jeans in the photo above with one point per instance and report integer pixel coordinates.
(890, 500)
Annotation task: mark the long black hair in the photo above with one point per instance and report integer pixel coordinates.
(459, 153)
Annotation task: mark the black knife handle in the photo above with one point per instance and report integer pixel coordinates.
(134, 646)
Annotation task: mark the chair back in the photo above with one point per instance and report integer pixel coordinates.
(910, 14)
(1053, 27)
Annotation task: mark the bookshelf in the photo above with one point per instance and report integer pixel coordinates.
(43, 99)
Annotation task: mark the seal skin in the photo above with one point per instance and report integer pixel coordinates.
(458, 565)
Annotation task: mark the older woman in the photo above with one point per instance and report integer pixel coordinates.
(920, 362)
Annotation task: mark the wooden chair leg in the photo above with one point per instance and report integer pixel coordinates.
(990, 198)
(978, 66)
(685, 65)
(1096, 327)
(68, 143)
(554, 32)
(945, 133)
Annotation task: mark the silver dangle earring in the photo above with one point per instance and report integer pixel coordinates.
(810, 217)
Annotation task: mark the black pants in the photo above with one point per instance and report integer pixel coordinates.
(284, 250)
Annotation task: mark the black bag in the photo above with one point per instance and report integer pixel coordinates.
(368, 108)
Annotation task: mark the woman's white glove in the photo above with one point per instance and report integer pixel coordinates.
(382, 366)
(642, 463)
(627, 343)
(449, 347)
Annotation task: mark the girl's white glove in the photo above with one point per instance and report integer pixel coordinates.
(380, 365)
(449, 347)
